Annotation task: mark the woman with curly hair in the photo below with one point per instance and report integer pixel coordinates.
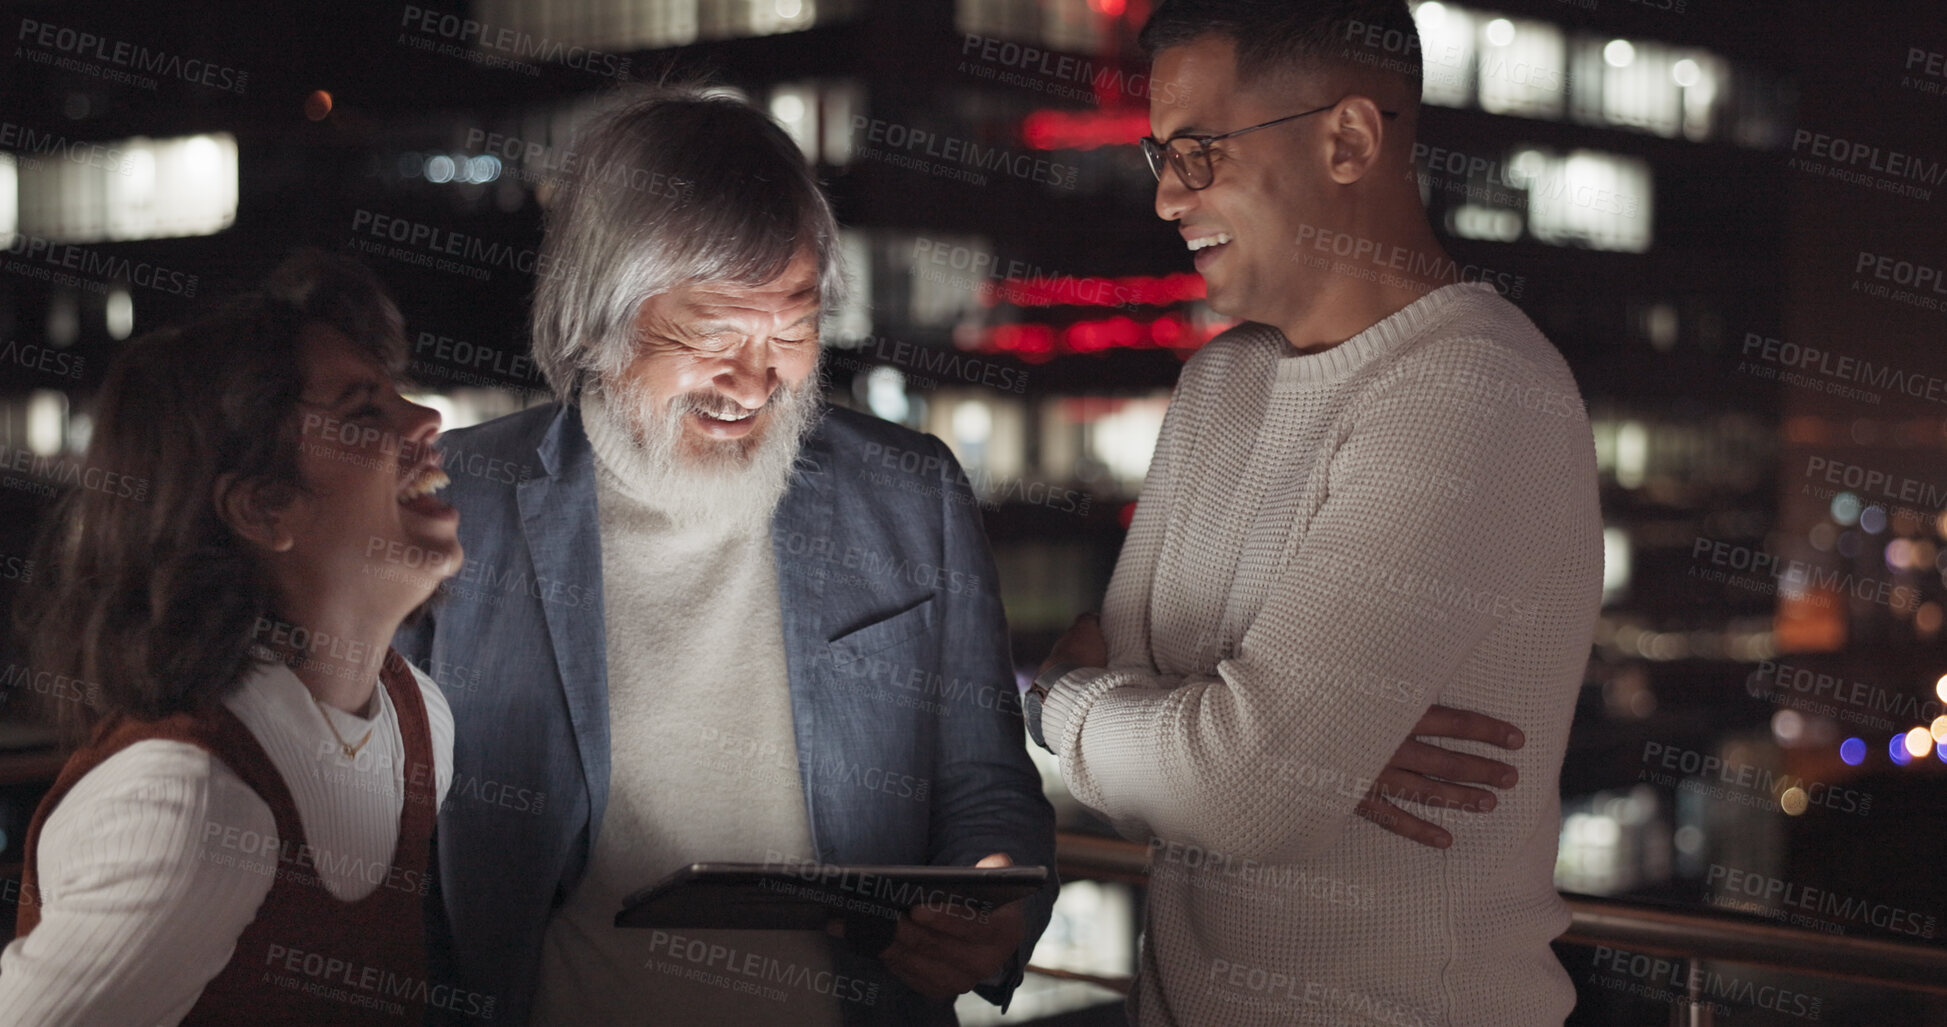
(242, 834)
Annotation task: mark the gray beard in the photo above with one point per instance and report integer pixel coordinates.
(732, 484)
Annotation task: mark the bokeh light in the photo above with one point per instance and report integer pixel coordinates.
(317, 106)
(1853, 751)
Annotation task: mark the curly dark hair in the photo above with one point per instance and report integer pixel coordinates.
(149, 602)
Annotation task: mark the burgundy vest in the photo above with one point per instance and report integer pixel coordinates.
(308, 958)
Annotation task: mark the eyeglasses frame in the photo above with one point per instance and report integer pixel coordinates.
(1159, 151)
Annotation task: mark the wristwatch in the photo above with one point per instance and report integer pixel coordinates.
(1037, 692)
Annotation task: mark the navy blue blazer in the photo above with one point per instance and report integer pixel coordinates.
(897, 651)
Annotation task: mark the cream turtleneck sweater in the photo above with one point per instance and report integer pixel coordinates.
(703, 767)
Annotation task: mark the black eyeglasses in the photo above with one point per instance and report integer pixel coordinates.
(1190, 155)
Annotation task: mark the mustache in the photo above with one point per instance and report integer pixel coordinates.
(707, 401)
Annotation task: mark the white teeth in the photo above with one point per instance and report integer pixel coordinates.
(745, 416)
(430, 481)
(1209, 240)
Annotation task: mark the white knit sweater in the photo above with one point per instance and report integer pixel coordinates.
(1327, 544)
(703, 767)
(156, 860)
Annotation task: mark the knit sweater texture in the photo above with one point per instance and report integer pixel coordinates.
(1326, 544)
(703, 768)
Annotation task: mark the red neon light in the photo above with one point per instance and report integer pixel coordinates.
(1083, 130)
(1065, 290)
(1039, 343)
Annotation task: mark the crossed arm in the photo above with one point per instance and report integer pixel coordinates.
(1375, 609)
(1418, 772)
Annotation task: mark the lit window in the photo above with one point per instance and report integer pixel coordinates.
(623, 26)
(1477, 221)
(9, 199)
(840, 101)
(853, 318)
(1125, 440)
(1615, 564)
(1447, 48)
(1637, 84)
(1073, 25)
(1702, 78)
(795, 108)
(157, 189)
(1599, 200)
(947, 281)
(1521, 68)
(988, 435)
(1089, 932)
(47, 421)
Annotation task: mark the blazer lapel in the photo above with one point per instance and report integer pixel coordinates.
(564, 540)
(802, 544)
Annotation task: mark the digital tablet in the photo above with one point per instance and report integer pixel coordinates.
(785, 896)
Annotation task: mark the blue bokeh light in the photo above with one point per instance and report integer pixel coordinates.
(1853, 751)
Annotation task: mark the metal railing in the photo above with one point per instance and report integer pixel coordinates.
(1649, 930)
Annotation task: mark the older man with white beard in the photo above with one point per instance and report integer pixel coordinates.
(704, 620)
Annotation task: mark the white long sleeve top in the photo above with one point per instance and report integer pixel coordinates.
(1326, 545)
(155, 862)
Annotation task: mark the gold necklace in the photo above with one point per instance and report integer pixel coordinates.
(350, 750)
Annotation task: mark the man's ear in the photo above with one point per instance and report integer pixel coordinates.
(1358, 133)
(253, 509)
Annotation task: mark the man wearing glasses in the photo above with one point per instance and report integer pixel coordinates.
(1377, 493)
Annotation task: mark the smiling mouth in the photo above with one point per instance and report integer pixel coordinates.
(727, 418)
(418, 496)
(1207, 241)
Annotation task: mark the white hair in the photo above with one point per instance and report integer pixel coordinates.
(670, 186)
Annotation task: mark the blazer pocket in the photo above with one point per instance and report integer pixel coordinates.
(883, 634)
